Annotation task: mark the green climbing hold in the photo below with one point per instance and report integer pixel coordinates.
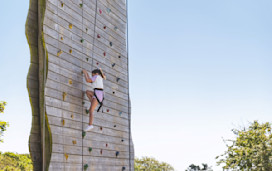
(83, 134)
(87, 59)
(117, 79)
(108, 10)
(86, 166)
(81, 5)
(83, 103)
(82, 40)
(87, 111)
(120, 113)
(90, 149)
(110, 43)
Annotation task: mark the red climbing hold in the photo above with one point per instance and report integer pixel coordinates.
(104, 53)
(97, 63)
(101, 128)
(105, 27)
(98, 36)
(108, 110)
(101, 151)
(106, 145)
(100, 11)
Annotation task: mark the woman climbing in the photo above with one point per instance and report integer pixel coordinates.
(97, 95)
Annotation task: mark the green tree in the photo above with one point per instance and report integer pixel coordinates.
(15, 162)
(151, 164)
(193, 167)
(3, 124)
(250, 150)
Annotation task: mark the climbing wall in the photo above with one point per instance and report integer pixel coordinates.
(73, 35)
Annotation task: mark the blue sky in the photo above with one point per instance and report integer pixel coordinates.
(197, 70)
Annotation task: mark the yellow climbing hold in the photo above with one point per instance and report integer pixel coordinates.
(66, 156)
(70, 51)
(61, 38)
(62, 4)
(70, 82)
(64, 96)
(63, 122)
(72, 116)
(74, 142)
(59, 52)
(70, 26)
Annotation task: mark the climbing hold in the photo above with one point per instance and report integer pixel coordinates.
(123, 168)
(86, 166)
(87, 59)
(100, 11)
(110, 43)
(86, 29)
(74, 142)
(83, 134)
(114, 126)
(97, 63)
(62, 4)
(117, 79)
(105, 27)
(101, 128)
(70, 81)
(83, 103)
(90, 149)
(113, 92)
(101, 151)
(72, 116)
(87, 111)
(122, 140)
(108, 10)
(59, 52)
(106, 145)
(119, 57)
(81, 5)
(115, 28)
(66, 156)
(61, 38)
(98, 36)
(82, 40)
(70, 51)
(70, 26)
(113, 65)
(64, 96)
(120, 113)
(63, 122)
(117, 153)
(108, 110)
(104, 53)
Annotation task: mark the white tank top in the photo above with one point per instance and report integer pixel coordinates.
(98, 82)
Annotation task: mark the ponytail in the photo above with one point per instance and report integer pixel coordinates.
(100, 72)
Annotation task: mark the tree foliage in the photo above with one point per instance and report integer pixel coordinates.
(3, 124)
(15, 162)
(194, 167)
(250, 150)
(151, 164)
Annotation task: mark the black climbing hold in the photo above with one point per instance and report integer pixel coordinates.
(114, 126)
(83, 103)
(113, 65)
(87, 59)
(82, 40)
(113, 92)
(123, 168)
(117, 153)
(86, 166)
(117, 79)
(86, 29)
(106, 145)
(119, 56)
(115, 28)
(101, 128)
(90, 149)
(87, 111)
(122, 140)
(110, 43)
(83, 134)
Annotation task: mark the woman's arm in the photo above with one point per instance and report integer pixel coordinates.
(87, 77)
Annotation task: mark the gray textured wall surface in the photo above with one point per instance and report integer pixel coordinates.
(81, 34)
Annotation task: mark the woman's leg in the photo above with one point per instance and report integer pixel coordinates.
(94, 103)
(89, 94)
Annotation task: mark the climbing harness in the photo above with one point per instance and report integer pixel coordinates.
(100, 102)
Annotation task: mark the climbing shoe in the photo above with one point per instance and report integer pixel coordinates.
(88, 128)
